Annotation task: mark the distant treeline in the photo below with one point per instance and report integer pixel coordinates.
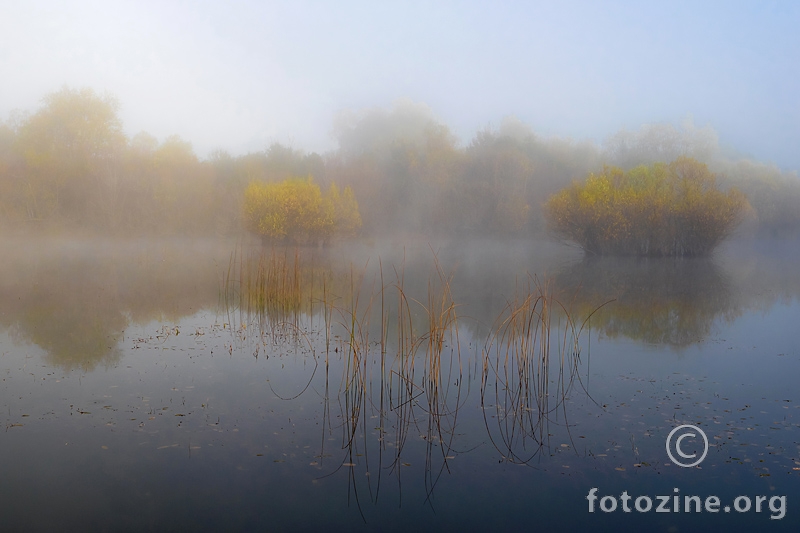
(68, 165)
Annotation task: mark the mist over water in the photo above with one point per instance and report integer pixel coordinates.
(396, 267)
(160, 385)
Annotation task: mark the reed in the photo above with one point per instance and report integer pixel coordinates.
(409, 380)
(530, 367)
(272, 288)
(412, 389)
(265, 287)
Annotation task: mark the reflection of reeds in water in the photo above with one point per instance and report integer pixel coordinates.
(400, 388)
(530, 366)
(441, 367)
(263, 286)
(274, 288)
(403, 384)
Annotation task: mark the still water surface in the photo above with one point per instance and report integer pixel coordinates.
(140, 392)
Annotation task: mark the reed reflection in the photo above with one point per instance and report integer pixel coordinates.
(397, 375)
(398, 396)
(531, 365)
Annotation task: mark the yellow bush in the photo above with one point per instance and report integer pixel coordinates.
(344, 207)
(661, 210)
(295, 210)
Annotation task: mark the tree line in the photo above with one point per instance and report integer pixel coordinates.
(70, 166)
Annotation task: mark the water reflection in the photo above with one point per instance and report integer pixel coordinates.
(396, 394)
(409, 387)
(399, 368)
(531, 366)
(75, 299)
(71, 322)
(657, 301)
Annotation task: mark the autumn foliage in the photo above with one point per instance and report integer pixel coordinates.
(658, 210)
(295, 210)
(70, 166)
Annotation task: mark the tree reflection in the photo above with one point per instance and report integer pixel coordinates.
(655, 300)
(74, 299)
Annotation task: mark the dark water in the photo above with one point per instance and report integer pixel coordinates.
(139, 394)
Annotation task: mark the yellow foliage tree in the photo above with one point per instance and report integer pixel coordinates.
(70, 149)
(295, 210)
(661, 210)
(345, 214)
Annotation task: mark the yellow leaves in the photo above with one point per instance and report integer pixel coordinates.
(296, 209)
(671, 209)
(174, 153)
(346, 218)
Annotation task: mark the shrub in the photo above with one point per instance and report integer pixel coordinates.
(660, 210)
(295, 210)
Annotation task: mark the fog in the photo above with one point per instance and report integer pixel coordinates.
(262, 261)
(454, 121)
(68, 165)
(240, 77)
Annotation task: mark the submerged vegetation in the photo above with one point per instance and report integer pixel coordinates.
(660, 210)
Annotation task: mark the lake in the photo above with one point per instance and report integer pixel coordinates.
(207, 385)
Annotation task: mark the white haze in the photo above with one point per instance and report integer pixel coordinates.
(241, 75)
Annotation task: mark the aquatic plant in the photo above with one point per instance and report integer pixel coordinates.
(276, 286)
(530, 366)
(409, 382)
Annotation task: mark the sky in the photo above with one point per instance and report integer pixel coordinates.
(239, 76)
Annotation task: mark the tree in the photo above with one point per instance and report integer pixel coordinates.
(399, 160)
(344, 208)
(295, 210)
(71, 149)
(661, 210)
(494, 182)
(183, 189)
(12, 189)
(661, 142)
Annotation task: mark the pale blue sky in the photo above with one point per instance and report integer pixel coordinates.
(240, 75)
